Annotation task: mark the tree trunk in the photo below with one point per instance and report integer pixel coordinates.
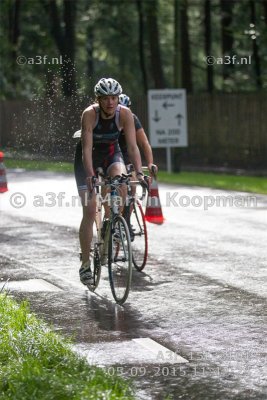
(185, 47)
(154, 43)
(141, 44)
(89, 49)
(69, 85)
(65, 40)
(55, 26)
(227, 35)
(256, 56)
(265, 11)
(177, 62)
(13, 35)
(207, 22)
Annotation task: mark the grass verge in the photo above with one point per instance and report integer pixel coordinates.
(36, 165)
(217, 181)
(36, 363)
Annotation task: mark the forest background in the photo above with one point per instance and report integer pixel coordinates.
(54, 51)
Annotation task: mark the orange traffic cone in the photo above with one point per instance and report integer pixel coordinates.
(3, 181)
(153, 207)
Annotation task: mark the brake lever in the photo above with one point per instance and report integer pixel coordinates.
(153, 170)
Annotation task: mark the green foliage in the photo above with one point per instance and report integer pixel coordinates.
(107, 44)
(35, 363)
(34, 40)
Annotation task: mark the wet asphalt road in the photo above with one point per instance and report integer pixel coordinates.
(202, 294)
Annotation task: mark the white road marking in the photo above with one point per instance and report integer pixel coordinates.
(128, 352)
(162, 353)
(41, 269)
(30, 285)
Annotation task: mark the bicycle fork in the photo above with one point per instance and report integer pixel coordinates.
(104, 245)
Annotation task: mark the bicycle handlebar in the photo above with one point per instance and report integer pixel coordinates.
(119, 180)
(145, 168)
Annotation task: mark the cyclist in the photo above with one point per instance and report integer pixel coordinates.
(101, 125)
(141, 139)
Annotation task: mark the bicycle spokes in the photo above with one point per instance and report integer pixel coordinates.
(120, 260)
(95, 259)
(139, 237)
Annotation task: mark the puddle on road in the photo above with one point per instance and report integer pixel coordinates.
(29, 285)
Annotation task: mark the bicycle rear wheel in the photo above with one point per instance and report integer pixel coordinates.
(120, 260)
(139, 236)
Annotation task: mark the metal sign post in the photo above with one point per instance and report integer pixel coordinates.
(167, 120)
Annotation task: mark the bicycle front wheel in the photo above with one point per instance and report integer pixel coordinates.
(139, 236)
(120, 260)
(95, 258)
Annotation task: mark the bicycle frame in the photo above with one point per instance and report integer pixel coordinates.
(113, 243)
(114, 210)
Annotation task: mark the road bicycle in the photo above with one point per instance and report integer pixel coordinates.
(111, 243)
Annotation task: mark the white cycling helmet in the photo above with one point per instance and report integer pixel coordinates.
(107, 87)
(124, 100)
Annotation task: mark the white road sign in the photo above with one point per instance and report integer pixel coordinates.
(167, 117)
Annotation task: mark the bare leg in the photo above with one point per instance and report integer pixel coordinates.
(117, 169)
(86, 227)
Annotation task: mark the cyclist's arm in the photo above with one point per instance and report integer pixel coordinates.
(130, 137)
(144, 145)
(88, 119)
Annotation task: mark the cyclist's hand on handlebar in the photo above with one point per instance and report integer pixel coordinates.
(143, 179)
(153, 169)
(91, 182)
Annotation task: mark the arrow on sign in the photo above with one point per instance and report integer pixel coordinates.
(179, 117)
(166, 105)
(156, 117)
